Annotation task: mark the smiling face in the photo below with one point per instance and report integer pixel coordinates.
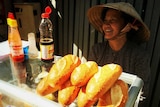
(113, 23)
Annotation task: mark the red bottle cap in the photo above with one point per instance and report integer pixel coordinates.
(45, 15)
(11, 15)
(48, 10)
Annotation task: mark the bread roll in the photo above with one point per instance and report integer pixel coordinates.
(83, 100)
(68, 93)
(50, 97)
(117, 95)
(83, 73)
(58, 74)
(102, 81)
(44, 88)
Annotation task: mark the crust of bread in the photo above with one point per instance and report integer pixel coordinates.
(102, 81)
(59, 73)
(81, 75)
(68, 93)
(83, 100)
(116, 96)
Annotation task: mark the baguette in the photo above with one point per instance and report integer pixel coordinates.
(59, 73)
(81, 75)
(102, 81)
(82, 98)
(116, 97)
(68, 93)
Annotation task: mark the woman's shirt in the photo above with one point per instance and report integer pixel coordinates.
(131, 57)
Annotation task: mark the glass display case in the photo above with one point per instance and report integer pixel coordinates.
(18, 81)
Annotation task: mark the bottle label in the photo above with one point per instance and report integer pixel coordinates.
(16, 50)
(47, 51)
(17, 53)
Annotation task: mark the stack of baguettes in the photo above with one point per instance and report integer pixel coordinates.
(86, 82)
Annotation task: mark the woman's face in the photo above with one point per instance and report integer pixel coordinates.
(113, 24)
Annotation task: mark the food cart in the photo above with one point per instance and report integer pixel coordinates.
(17, 91)
(18, 84)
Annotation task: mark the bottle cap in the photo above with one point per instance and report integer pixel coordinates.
(11, 15)
(48, 10)
(12, 22)
(45, 15)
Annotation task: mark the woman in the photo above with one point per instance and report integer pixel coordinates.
(123, 30)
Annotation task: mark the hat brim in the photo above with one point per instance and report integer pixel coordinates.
(94, 17)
